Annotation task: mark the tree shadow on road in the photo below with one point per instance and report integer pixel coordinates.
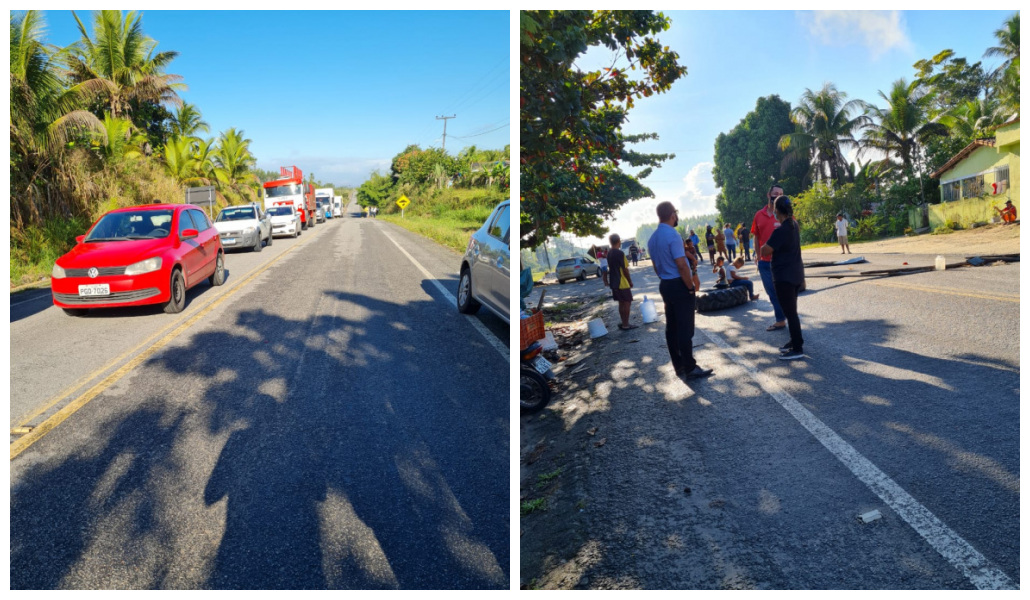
(329, 451)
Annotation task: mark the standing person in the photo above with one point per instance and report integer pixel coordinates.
(620, 280)
(710, 244)
(697, 244)
(842, 234)
(738, 280)
(720, 241)
(744, 239)
(762, 226)
(602, 261)
(634, 253)
(677, 289)
(731, 242)
(693, 257)
(784, 246)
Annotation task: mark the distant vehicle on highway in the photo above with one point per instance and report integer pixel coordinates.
(244, 226)
(337, 206)
(486, 267)
(326, 196)
(319, 210)
(285, 220)
(139, 255)
(576, 268)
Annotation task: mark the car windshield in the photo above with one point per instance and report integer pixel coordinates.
(567, 262)
(280, 211)
(131, 225)
(236, 214)
(282, 190)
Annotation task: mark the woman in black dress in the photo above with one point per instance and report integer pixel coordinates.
(787, 272)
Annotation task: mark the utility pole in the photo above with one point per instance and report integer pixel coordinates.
(445, 130)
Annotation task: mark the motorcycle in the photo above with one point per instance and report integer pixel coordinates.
(535, 375)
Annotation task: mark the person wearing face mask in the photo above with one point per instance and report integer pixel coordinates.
(784, 247)
(763, 226)
(677, 289)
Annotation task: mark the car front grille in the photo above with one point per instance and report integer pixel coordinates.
(103, 271)
(130, 296)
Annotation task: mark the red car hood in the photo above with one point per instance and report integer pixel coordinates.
(112, 254)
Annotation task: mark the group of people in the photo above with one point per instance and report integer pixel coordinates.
(723, 241)
(675, 261)
(604, 264)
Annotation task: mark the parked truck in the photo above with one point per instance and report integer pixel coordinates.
(326, 196)
(290, 190)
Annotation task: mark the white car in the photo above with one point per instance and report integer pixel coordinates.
(285, 220)
(244, 226)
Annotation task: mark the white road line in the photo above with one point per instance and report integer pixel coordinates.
(975, 566)
(32, 300)
(490, 337)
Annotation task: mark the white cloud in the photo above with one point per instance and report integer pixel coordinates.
(878, 30)
(344, 172)
(698, 196)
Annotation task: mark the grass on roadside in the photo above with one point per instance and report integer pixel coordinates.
(544, 478)
(447, 216)
(530, 506)
(538, 276)
(34, 249)
(818, 245)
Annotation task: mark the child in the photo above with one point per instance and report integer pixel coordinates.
(718, 268)
(738, 280)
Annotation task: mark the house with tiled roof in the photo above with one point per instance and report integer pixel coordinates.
(983, 175)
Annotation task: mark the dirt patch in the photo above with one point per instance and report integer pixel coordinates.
(990, 239)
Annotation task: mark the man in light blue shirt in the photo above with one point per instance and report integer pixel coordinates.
(677, 289)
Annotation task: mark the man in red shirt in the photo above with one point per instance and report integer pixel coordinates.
(1008, 214)
(762, 227)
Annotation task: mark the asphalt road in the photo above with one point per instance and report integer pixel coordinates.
(915, 382)
(331, 423)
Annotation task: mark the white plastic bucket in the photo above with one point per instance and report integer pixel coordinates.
(596, 328)
(648, 312)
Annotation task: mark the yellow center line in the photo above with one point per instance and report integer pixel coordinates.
(21, 444)
(933, 290)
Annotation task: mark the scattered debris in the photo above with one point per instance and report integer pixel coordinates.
(718, 503)
(592, 431)
(549, 344)
(686, 490)
(870, 516)
(600, 442)
(536, 453)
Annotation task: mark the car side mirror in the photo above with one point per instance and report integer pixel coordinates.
(79, 239)
(189, 233)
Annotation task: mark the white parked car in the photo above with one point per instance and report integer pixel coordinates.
(244, 226)
(285, 220)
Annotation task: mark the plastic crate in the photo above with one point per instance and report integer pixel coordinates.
(531, 330)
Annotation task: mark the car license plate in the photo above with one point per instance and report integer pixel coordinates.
(99, 289)
(541, 365)
(228, 240)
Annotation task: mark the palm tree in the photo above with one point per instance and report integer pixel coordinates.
(120, 140)
(898, 130)
(1008, 42)
(204, 155)
(233, 162)
(45, 112)
(180, 163)
(973, 118)
(123, 60)
(187, 122)
(824, 130)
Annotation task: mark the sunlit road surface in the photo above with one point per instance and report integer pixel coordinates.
(331, 423)
(907, 404)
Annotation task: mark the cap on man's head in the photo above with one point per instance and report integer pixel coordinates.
(614, 239)
(665, 210)
(1009, 202)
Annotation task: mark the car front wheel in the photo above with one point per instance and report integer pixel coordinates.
(269, 238)
(177, 293)
(466, 303)
(257, 244)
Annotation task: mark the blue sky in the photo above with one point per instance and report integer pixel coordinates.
(733, 58)
(337, 93)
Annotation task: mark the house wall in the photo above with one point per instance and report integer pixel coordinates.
(967, 211)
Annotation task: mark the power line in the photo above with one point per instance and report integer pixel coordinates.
(479, 134)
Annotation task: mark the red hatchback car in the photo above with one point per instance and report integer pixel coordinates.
(139, 255)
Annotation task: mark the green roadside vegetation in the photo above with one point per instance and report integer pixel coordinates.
(450, 196)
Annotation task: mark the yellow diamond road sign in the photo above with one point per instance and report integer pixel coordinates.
(403, 202)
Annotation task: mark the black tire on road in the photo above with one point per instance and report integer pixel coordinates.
(177, 299)
(75, 312)
(259, 245)
(534, 393)
(218, 277)
(561, 281)
(598, 273)
(466, 303)
(721, 299)
(269, 238)
(582, 276)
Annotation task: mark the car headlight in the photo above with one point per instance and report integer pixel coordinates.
(144, 266)
(57, 272)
